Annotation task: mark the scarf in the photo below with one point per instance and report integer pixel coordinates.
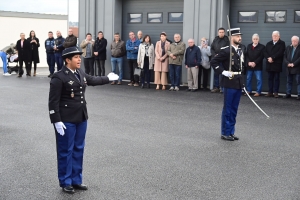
(163, 48)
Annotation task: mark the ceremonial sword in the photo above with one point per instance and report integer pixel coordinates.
(230, 62)
(230, 49)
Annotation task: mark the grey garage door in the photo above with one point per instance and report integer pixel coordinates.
(265, 24)
(152, 17)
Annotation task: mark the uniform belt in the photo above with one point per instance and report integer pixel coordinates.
(235, 73)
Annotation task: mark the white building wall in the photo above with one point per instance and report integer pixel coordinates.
(13, 26)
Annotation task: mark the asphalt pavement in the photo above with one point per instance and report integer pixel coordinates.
(149, 144)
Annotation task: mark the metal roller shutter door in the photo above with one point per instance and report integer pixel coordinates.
(286, 29)
(152, 29)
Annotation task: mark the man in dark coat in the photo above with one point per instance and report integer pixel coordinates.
(100, 53)
(220, 41)
(71, 40)
(232, 81)
(254, 64)
(292, 64)
(58, 48)
(274, 52)
(68, 113)
(49, 46)
(24, 50)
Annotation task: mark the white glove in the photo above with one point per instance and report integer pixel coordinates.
(112, 76)
(60, 128)
(227, 74)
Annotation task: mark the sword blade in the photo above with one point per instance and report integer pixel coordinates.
(256, 103)
(230, 47)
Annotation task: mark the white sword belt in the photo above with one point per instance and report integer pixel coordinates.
(235, 73)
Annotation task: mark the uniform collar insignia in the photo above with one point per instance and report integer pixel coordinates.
(71, 82)
(67, 72)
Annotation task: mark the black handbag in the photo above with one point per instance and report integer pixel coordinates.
(137, 71)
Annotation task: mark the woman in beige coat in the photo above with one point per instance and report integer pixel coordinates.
(161, 61)
(145, 60)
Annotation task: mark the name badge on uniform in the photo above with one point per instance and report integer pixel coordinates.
(71, 82)
(72, 94)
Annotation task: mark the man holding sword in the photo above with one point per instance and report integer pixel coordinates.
(232, 60)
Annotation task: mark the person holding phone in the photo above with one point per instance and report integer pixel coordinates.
(205, 64)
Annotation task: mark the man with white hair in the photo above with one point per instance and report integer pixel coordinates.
(176, 51)
(254, 64)
(140, 36)
(274, 55)
(292, 64)
(192, 63)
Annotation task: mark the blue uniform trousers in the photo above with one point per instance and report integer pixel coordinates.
(231, 103)
(70, 148)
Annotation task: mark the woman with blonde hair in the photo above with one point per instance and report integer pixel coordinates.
(205, 65)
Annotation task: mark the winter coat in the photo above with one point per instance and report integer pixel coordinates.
(83, 46)
(100, 47)
(177, 49)
(256, 55)
(217, 44)
(59, 42)
(142, 53)
(276, 52)
(49, 44)
(161, 66)
(132, 48)
(118, 49)
(34, 55)
(70, 41)
(288, 59)
(192, 56)
(23, 52)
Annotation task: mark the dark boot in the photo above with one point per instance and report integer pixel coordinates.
(34, 73)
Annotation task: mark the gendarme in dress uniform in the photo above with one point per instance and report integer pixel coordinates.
(232, 81)
(68, 113)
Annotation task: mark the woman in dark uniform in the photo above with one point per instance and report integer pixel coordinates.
(68, 113)
(34, 55)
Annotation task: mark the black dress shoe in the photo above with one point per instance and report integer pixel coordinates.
(68, 189)
(188, 90)
(148, 85)
(142, 86)
(80, 187)
(287, 96)
(228, 138)
(193, 90)
(234, 137)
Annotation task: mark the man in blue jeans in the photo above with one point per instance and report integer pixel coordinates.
(49, 46)
(58, 48)
(221, 40)
(118, 50)
(176, 53)
(292, 63)
(4, 61)
(254, 64)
